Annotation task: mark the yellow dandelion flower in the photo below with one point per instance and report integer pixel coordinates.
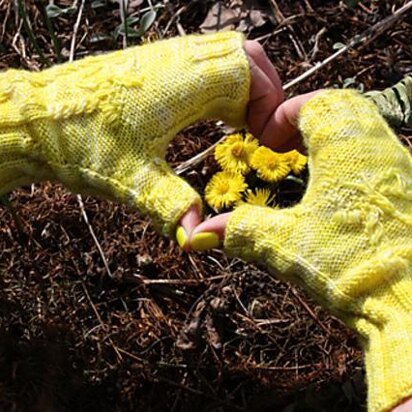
(296, 160)
(269, 165)
(234, 153)
(260, 197)
(224, 189)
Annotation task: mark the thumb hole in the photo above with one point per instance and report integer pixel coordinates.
(168, 199)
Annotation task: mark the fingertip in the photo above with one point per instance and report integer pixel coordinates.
(191, 218)
(204, 241)
(187, 223)
(181, 237)
(210, 233)
(256, 51)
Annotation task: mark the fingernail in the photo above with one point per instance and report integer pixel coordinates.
(181, 236)
(204, 241)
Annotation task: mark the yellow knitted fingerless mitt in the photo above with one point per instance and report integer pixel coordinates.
(349, 241)
(102, 125)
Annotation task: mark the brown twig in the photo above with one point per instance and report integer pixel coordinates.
(173, 18)
(285, 368)
(96, 241)
(368, 34)
(195, 160)
(6, 17)
(310, 311)
(292, 35)
(75, 30)
(79, 197)
(375, 30)
(99, 318)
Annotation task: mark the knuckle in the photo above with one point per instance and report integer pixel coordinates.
(254, 48)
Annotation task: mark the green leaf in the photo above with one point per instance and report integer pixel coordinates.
(117, 31)
(130, 32)
(351, 3)
(54, 11)
(146, 21)
(131, 20)
(361, 87)
(348, 82)
(98, 3)
(338, 46)
(294, 179)
(95, 38)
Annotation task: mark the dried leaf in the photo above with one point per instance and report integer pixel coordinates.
(134, 3)
(220, 18)
(188, 336)
(212, 333)
(257, 18)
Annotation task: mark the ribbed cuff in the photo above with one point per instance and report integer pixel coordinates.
(168, 201)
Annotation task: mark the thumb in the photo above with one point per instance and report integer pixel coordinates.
(209, 234)
(254, 233)
(281, 131)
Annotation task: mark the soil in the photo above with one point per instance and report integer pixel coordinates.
(165, 330)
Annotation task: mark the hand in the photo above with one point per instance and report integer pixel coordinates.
(406, 406)
(268, 119)
(348, 242)
(283, 118)
(102, 125)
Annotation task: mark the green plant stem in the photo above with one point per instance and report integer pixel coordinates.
(50, 28)
(395, 103)
(124, 21)
(27, 27)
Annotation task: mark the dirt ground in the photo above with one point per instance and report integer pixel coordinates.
(164, 330)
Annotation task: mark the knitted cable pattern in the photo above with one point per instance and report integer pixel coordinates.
(102, 125)
(349, 241)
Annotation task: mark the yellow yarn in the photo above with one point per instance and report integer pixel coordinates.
(349, 241)
(102, 125)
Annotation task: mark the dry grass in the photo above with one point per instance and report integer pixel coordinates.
(172, 331)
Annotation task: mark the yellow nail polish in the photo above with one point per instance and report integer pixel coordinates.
(181, 237)
(204, 241)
